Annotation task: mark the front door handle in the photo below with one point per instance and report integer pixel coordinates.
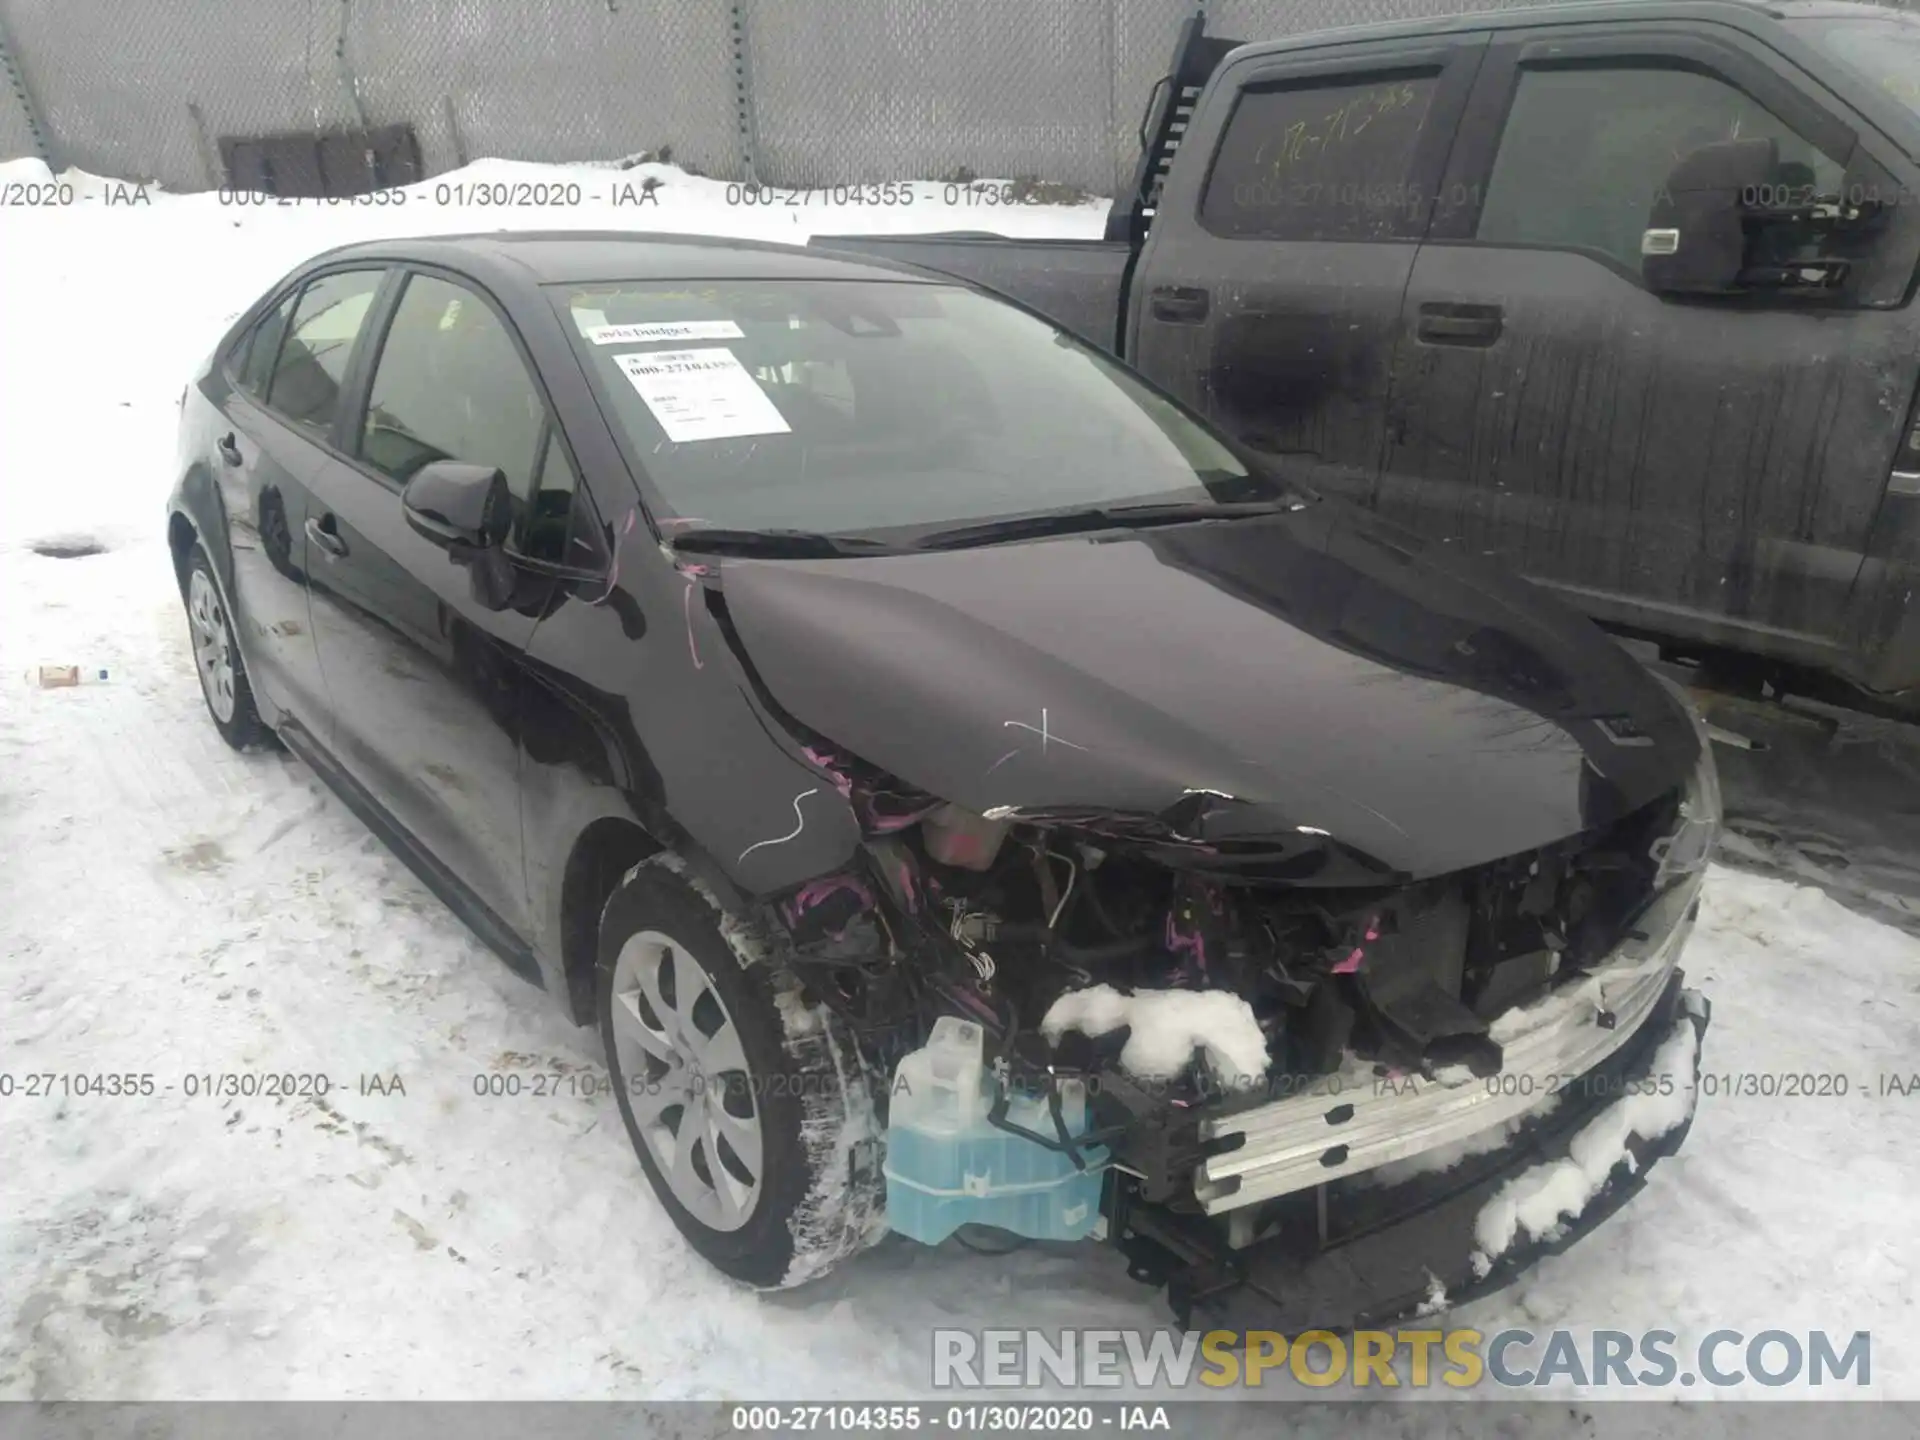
(229, 447)
(321, 532)
(1448, 323)
(1178, 304)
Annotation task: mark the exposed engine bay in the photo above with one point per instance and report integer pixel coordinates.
(1045, 929)
(1189, 943)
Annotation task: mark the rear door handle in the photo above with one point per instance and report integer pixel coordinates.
(1448, 323)
(1178, 304)
(321, 532)
(229, 448)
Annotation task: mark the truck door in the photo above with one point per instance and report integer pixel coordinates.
(1268, 293)
(1702, 465)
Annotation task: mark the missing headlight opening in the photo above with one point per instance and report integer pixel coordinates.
(1002, 919)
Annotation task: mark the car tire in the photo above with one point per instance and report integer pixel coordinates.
(707, 1033)
(217, 660)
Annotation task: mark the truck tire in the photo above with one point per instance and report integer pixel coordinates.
(747, 1107)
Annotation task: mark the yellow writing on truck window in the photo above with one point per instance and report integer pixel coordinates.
(1306, 138)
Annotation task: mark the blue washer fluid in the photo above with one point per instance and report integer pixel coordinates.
(947, 1166)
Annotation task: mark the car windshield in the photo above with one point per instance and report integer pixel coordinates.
(852, 407)
(1883, 50)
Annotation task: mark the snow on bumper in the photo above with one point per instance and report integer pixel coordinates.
(1539, 1203)
(1355, 1125)
(1375, 1253)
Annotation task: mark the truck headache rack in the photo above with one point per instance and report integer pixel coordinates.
(1196, 55)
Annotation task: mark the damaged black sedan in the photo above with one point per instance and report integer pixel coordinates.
(962, 787)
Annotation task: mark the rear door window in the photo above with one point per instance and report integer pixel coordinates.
(254, 356)
(312, 365)
(1322, 159)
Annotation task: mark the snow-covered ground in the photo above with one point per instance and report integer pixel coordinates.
(173, 909)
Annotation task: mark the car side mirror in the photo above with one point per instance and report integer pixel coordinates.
(1696, 240)
(459, 507)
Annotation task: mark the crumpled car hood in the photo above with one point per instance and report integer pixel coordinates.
(1307, 685)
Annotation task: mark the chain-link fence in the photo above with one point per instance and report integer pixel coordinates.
(790, 92)
(19, 129)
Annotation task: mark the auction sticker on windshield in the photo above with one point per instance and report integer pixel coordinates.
(702, 394)
(603, 334)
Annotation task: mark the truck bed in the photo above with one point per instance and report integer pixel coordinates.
(1077, 284)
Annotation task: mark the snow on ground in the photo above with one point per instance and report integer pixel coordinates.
(172, 909)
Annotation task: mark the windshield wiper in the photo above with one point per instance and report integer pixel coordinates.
(779, 544)
(783, 544)
(1099, 517)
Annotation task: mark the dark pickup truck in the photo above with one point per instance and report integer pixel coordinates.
(1620, 292)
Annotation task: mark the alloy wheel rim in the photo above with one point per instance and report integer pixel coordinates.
(687, 1080)
(212, 645)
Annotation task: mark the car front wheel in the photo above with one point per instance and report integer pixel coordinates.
(747, 1106)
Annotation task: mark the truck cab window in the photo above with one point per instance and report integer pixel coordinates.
(1587, 149)
(1321, 161)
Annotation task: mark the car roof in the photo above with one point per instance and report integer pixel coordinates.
(561, 257)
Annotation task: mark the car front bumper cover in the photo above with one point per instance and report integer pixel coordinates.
(1357, 1256)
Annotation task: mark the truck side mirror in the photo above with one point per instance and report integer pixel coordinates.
(1695, 242)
